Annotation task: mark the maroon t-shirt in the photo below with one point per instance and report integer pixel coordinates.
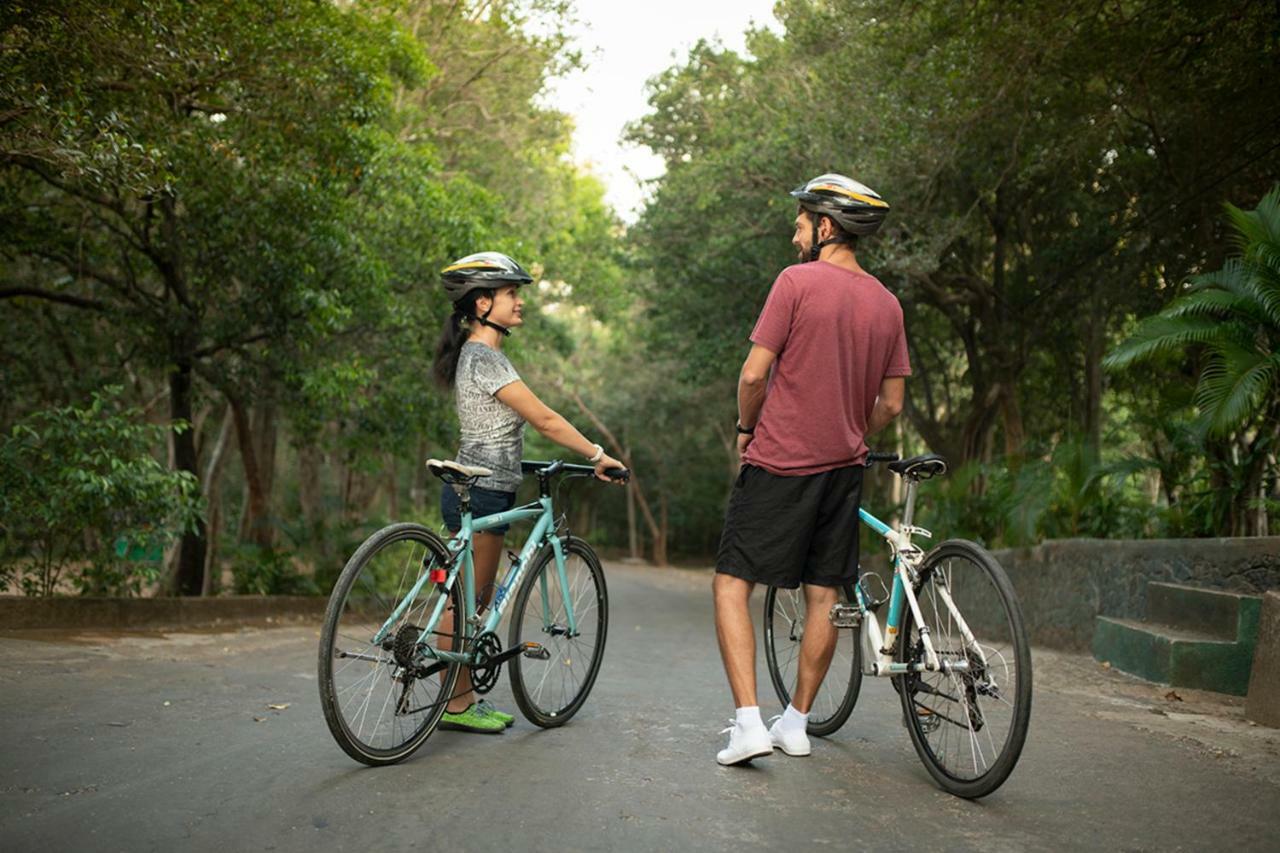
(837, 334)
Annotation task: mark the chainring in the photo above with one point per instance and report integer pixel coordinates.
(485, 672)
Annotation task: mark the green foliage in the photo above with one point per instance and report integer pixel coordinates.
(73, 480)
(1235, 314)
(268, 571)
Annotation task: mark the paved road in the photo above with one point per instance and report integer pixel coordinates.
(151, 742)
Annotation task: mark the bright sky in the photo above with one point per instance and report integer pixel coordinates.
(624, 44)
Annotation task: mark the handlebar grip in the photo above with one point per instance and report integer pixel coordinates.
(881, 456)
(622, 475)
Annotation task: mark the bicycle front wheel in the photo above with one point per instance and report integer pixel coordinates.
(383, 699)
(549, 692)
(968, 727)
(784, 623)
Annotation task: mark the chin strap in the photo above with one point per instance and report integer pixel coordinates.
(816, 248)
(485, 321)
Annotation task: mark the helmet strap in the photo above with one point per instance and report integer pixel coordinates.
(485, 321)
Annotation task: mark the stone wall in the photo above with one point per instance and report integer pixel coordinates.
(1063, 584)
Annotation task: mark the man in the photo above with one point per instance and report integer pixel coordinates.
(825, 371)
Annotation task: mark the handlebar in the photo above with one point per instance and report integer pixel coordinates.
(547, 470)
(880, 456)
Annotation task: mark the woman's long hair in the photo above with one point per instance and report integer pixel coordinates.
(457, 328)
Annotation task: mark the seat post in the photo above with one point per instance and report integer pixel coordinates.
(463, 491)
(909, 511)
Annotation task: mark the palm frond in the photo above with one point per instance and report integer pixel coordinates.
(1214, 303)
(1234, 385)
(1159, 335)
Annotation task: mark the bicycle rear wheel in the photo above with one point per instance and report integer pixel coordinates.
(784, 623)
(382, 700)
(551, 691)
(967, 727)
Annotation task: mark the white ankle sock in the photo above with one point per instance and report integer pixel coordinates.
(749, 717)
(793, 719)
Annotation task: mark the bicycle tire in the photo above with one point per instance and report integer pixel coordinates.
(839, 690)
(951, 701)
(349, 691)
(534, 682)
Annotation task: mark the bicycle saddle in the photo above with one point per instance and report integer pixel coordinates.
(453, 472)
(920, 467)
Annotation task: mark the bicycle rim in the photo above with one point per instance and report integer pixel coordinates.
(784, 622)
(551, 691)
(382, 700)
(968, 727)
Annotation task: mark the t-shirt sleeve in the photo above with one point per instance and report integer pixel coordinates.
(773, 327)
(899, 362)
(493, 372)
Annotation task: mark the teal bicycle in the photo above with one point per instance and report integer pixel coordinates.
(403, 620)
(953, 644)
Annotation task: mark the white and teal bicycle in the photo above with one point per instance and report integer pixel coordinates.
(403, 620)
(953, 643)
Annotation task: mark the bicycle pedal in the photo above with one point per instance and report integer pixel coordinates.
(536, 651)
(845, 615)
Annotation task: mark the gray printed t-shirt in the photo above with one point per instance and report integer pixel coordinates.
(492, 432)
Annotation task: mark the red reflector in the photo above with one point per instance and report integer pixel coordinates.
(437, 576)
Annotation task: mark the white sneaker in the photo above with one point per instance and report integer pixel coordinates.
(744, 745)
(791, 741)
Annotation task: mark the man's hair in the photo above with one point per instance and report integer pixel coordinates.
(850, 240)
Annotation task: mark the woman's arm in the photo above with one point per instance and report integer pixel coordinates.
(550, 424)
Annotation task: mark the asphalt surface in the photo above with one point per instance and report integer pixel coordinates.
(166, 742)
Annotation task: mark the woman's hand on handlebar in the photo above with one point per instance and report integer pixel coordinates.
(608, 463)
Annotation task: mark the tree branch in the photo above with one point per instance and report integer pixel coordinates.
(51, 296)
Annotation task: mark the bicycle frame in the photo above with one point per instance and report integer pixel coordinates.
(462, 567)
(906, 559)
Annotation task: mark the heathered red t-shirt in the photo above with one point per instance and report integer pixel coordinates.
(837, 334)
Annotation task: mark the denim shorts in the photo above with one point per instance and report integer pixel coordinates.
(483, 502)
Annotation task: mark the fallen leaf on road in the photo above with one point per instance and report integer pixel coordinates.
(1173, 696)
(279, 707)
(259, 719)
(1106, 664)
(166, 704)
(120, 725)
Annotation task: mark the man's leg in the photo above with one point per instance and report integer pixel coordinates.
(736, 636)
(749, 738)
(817, 646)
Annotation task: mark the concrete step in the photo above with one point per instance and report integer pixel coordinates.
(1209, 610)
(1174, 655)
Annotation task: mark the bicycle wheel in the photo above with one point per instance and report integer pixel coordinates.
(967, 727)
(551, 691)
(382, 700)
(784, 621)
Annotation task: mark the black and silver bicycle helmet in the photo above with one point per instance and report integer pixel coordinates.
(857, 208)
(486, 270)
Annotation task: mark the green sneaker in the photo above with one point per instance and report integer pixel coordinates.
(507, 719)
(474, 719)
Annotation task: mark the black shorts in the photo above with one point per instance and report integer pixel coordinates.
(483, 502)
(785, 531)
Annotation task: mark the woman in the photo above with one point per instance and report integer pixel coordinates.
(493, 407)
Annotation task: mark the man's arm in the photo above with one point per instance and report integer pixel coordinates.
(893, 390)
(752, 382)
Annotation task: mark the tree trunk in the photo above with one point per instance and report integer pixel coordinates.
(213, 500)
(1095, 345)
(660, 537)
(188, 576)
(254, 526)
(309, 489)
(393, 489)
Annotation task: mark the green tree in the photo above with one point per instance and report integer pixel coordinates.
(1231, 317)
(74, 481)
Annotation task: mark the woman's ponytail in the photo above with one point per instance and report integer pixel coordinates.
(454, 334)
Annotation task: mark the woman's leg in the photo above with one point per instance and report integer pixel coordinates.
(486, 553)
